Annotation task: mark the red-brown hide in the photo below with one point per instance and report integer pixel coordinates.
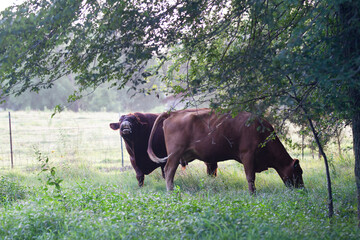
(210, 137)
(135, 129)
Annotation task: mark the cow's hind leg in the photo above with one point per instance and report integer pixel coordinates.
(170, 169)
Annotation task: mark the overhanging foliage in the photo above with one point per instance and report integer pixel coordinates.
(296, 59)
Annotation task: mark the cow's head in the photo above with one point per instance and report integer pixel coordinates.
(294, 176)
(127, 124)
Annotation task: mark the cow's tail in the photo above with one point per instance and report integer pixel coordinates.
(150, 150)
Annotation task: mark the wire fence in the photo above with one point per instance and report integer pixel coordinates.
(81, 138)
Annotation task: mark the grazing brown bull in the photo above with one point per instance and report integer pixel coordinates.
(135, 129)
(210, 137)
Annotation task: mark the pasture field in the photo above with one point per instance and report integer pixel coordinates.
(83, 138)
(88, 195)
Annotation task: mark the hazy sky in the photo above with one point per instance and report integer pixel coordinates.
(7, 3)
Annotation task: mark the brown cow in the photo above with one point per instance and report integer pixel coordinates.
(135, 129)
(210, 137)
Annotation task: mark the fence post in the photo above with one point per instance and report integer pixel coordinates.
(11, 148)
(122, 153)
(121, 143)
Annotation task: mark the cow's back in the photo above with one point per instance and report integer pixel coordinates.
(213, 137)
(210, 137)
(205, 135)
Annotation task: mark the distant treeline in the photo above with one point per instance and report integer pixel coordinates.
(102, 99)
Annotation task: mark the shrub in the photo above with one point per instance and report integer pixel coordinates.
(10, 190)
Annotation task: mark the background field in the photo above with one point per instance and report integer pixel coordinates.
(74, 138)
(99, 199)
(86, 138)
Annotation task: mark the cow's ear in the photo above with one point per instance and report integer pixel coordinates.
(138, 118)
(297, 166)
(296, 163)
(114, 126)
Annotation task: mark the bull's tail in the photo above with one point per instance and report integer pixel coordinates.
(150, 150)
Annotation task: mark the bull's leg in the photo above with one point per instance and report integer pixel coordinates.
(140, 179)
(211, 169)
(170, 169)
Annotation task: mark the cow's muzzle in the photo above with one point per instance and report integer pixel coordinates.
(125, 127)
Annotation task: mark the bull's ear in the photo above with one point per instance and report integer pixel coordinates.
(114, 126)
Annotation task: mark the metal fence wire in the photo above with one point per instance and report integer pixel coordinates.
(79, 138)
(67, 138)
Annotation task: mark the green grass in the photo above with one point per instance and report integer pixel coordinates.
(100, 200)
(109, 205)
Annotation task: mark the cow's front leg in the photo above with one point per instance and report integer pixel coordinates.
(212, 169)
(139, 174)
(170, 169)
(248, 161)
(162, 171)
(140, 179)
(250, 177)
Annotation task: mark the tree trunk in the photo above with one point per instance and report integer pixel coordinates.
(338, 140)
(349, 12)
(356, 147)
(321, 151)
